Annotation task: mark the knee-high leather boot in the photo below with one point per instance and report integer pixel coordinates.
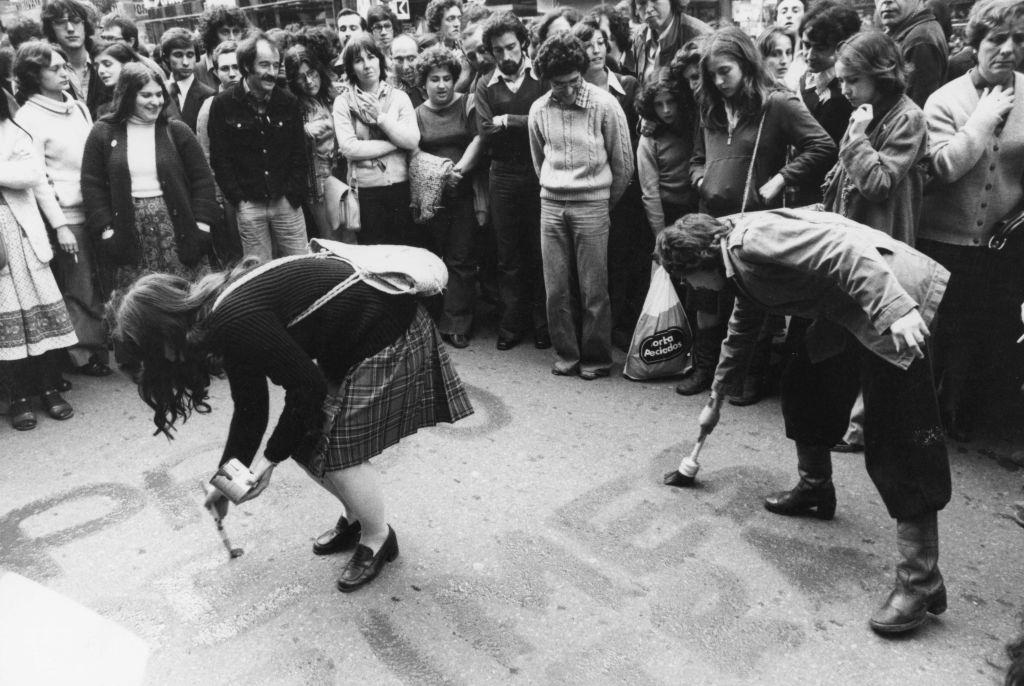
(919, 588)
(814, 495)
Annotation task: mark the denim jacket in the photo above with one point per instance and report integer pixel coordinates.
(258, 157)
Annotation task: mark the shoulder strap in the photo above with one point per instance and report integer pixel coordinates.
(357, 275)
(753, 159)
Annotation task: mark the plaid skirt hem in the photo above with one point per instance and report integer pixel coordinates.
(408, 385)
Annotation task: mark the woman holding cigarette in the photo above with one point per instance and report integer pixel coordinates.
(360, 372)
(35, 322)
(59, 125)
(872, 299)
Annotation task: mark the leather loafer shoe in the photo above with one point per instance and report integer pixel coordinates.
(93, 368)
(343, 536)
(591, 374)
(456, 340)
(541, 340)
(507, 342)
(364, 566)
(56, 406)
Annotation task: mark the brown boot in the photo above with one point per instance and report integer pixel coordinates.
(919, 589)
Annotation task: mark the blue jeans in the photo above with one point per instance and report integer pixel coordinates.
(515, 213)
(574, 246)
(271, 228)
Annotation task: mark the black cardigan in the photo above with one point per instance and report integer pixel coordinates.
(185, 178)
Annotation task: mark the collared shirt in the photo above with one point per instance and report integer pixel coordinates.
(819, 82)
(653, 47)
(513, 82)
(183, 87)
(614, 85)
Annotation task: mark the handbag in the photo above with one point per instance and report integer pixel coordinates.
(342, 202)
(428, 177)
(1005, 228)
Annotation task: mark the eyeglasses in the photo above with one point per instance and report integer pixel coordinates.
(309, 76)
(382, 27)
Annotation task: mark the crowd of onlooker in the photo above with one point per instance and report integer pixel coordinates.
(572, 139)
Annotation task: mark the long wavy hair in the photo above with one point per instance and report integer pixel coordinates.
(160, 321)
(732, 43)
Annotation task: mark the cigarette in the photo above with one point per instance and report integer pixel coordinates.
(75, 255)
(1020, 340)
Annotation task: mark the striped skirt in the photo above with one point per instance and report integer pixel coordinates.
(408, 385)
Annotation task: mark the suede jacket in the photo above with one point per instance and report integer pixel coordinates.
(185, 178)
(879, 178)
(821, 266)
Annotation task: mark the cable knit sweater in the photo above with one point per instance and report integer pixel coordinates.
(249, 328)
(59, 130)
(581, 151)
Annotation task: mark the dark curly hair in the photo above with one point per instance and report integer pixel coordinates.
(213, 20)
(437, 57)
(29, 62)
(875, 55)
(570, 14)
(22, 30)
(618, 25)
(435, 13)
(506, 22)
(293, 60)
(677, 7)
(829, 23)
(680, 92)
(560, 55)
(321, 42)
(691, 244)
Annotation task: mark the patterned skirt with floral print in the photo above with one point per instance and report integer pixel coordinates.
(158, 248)
(33, 317)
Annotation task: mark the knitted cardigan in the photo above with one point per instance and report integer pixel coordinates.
(979, 177)
(185, 177)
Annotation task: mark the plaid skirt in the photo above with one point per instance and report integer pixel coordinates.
(407, 385)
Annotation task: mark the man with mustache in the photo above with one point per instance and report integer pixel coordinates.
(258, 153)
(923, 44)
(503, 108)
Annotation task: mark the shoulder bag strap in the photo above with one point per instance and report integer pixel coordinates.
(753, 159)
(357, 275)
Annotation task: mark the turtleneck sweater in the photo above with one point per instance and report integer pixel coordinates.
(142, 158)
(59, 130)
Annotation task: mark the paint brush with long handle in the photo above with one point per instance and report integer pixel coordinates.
(686, 474)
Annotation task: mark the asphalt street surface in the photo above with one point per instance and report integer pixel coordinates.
(538, 546)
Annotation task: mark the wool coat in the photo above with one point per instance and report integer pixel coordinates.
(879, 178)
(187, 183)
(821, 266)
